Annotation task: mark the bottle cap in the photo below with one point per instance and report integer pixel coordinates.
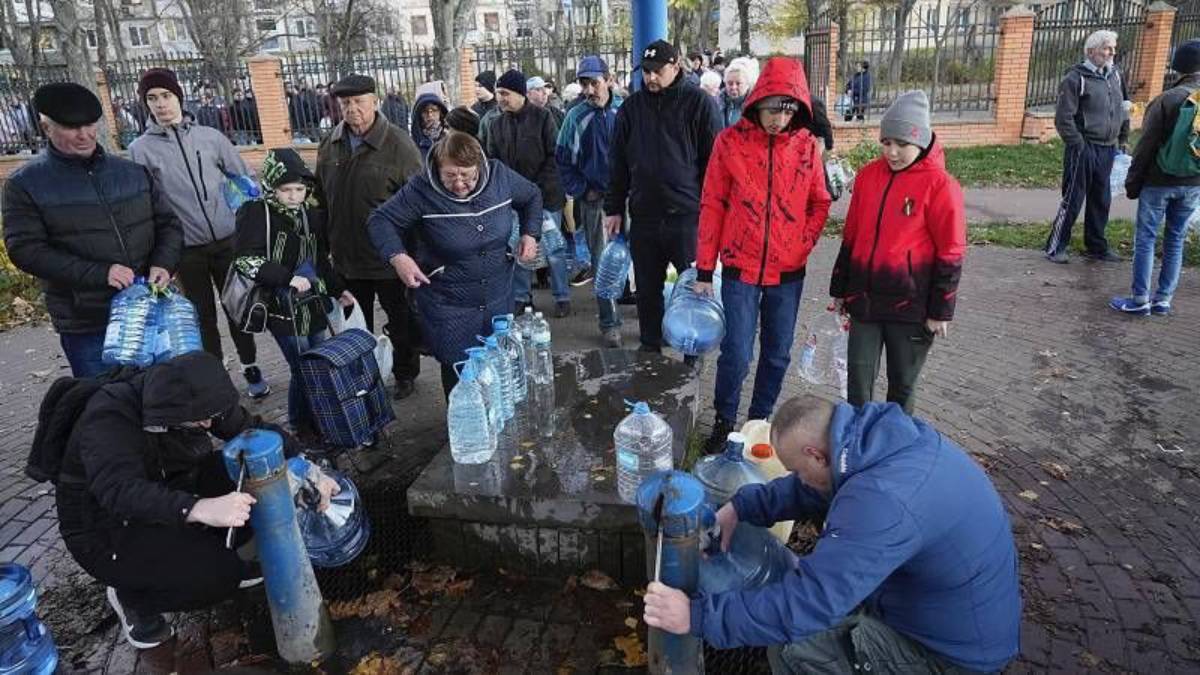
(762, 451)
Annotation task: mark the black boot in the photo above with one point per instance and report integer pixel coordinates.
(720, 433)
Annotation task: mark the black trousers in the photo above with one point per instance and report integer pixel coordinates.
(162, 568)
(907, 345)
(654, 244)
(1086, 170)
(200, 269)
(402, 325)
(449, 379)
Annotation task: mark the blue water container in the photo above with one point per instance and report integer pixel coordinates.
(693, 324)
(613, 270)
(26, 646)
(178, 326)
(755, 558)
(132, 334)
(337, 535)
(722, 475)
(239, 189)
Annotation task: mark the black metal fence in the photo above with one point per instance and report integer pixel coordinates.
(1186, 27)
(398, 71)
(818, 53)
(946, 49)
(1060, 31)
(552, 60)
(20, 132)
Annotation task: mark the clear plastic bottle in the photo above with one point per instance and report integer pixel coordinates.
(553, 241)
(26, 646)
(515, 351)
(503, 367)
(523, 325)
(132, 333)
(239, 189)
(693, 324)
(613, 270)
(471, 438)
(180, 325)
(541, 376)
(489, 381)
(643, 447)
(722, 475)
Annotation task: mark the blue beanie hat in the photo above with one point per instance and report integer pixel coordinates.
(1186, 59)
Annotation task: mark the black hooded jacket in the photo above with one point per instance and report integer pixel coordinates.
(137, 462)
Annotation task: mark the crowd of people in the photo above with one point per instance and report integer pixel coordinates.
(429, 210)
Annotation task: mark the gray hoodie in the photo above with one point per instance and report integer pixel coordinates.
(1091, 107)
(190, 161)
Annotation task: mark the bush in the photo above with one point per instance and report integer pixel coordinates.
(20, 295)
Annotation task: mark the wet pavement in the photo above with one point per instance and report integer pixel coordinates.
(1085, 420)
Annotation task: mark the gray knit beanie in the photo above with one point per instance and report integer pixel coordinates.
(908, 120)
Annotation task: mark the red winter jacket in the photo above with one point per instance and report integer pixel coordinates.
(764, 202)
(902, 251)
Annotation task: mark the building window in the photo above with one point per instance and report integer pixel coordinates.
(470, 22)
(271, 44)
(91, 39)
(521, 15)
(525, 32)
(265, 25)
(491, 21)
(420, 25)
(138, 37)
(301, 29)
(176, 30)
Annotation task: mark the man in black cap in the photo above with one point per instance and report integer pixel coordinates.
(86, 223)
(660, 146)
(362, 163)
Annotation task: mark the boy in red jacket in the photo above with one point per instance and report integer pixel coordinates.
(762, 210)
(902, 252)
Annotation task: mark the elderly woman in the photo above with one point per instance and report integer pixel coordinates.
(460, 210)
(710, 82)
(740, 77)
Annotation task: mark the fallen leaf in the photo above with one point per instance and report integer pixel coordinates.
(434, 580)
(631, 646)
(1089, 660)
(1028, 494)
(1036, 546)
(382, 604)
(1061, 525)
(459, 588)
(632, 623)
(378, 664)
(598, 581)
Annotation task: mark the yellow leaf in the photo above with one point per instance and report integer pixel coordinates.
(631, 646)
(632, 623)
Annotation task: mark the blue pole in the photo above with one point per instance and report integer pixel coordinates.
(649, 24)
(303, 631)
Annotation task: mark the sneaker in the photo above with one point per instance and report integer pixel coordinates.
(1130, 306)
(612, 338)
(1160, 308)
(1107, 256)
(720, 433)
(582, 279)
(562, 309)
(1060, 257)
(249, 583)
(403, 389)
(143, 631)
(257, 386)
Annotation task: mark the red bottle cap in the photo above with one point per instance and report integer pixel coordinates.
(762, 451)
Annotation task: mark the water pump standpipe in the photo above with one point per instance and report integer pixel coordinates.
(303, 631)
(670, 509)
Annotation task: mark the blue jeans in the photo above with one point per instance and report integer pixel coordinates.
(1156, 204)
(299, 413)
(523, 278)
(591, 226)
(744, 305)
(83, 352)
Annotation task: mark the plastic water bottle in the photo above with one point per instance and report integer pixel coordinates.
(643, 443)
(553, 241)
(523, 325)
(179, 326)
(132, 334)
(722, 475)
(514, 238)
(503, 367)
(338, 534)
(693, 324)
(238, 190)
(1120, 169)
(515, 352)
(471, 438)
(25, 644)
(613, 269)
(489, 381)
(541, 377)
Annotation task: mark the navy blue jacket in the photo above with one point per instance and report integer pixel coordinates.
(915, 530)
(469, 237)
(583, 144)
(859, 87)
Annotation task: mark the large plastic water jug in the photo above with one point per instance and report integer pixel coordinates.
(722, 475)
(693, 324)
(25, 644)
(338, 534)
(239, 189)
(132, 334)
(754, 559)
(761, 453)
(503, 367)
(489, 383)
(178, 326)
(472, 441)
(643, 445)
(613, 270)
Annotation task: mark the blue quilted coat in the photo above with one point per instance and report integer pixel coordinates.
(466, 236)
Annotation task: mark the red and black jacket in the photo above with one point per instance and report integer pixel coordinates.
(905, 238)
(764, 202)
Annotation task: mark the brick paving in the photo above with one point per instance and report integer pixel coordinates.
(1085, 420)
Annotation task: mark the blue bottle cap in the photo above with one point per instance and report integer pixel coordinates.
(260, 449)
(638, 407)
(683, 503)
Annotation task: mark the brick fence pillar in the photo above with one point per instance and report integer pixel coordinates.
(110, 119)
(1153, 51)
(466, 76)
(831, 88)
(1011, 76)
(266, 79)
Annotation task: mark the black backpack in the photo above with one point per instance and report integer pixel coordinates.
(60, 409)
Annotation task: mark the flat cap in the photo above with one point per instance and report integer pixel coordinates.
(67, 103)
(354, 85)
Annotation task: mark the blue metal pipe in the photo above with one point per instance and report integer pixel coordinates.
(649, 24)
(303, 631)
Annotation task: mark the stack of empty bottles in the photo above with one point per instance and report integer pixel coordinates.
(552, 243)
(147, 325)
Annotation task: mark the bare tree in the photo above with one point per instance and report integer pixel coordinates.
(903, 10)
(33, 12)
(344, 27)
(448, 16)
(942, 31)
(18, 43)
(224, 33)
(72, 45)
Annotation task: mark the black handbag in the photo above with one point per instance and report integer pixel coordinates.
(245, 299)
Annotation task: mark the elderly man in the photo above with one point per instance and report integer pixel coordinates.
(582, 155)
(86, 223)
(915, 569)
(538, 93)
(524, 137)
(362, 163)
(1092, 117)
(190, 161)
(679, 123)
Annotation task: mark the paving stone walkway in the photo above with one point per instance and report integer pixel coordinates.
(1085, 420)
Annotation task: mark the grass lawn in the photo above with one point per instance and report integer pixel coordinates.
(20, 294)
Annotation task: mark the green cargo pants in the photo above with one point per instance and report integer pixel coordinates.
(906, 343)
(860, 644)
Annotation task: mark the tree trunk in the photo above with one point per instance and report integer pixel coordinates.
(743, 10)
(73, 47)
(702, 40)
(114, 29)
(18, 44)
(35, 31)
(445, 36)
(901, 30)
(101, 35)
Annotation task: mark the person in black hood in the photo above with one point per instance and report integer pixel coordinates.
(428, 121)
(144, 500)
(485, 93)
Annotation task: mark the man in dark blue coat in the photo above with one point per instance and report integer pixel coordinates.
(915, 569)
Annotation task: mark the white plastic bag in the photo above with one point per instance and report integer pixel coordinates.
(839, 178)
(824, 356)
(340, 323)
(1120, 169)
(383, 356)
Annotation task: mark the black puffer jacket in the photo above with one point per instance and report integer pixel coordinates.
(136, 463)
(525, 141)
(68, 219)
